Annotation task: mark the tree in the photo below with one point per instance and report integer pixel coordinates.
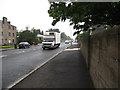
(29, 36)
(104, 13)
(36, 31)
(82, 35)
(64, 36)
(26, 36)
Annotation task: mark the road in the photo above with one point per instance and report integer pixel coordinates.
(17, 63)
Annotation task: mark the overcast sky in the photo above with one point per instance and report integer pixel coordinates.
(31, 13)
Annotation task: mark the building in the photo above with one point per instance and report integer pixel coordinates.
(0, 32)
(8, 32)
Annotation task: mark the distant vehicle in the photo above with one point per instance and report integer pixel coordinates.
(24, 45)
(67, 42)
(51, 40)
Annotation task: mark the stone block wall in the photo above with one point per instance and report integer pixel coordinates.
(103, 57)
(84, 48)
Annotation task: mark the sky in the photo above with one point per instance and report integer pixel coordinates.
(31, 13)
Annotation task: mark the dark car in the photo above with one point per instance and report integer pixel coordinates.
(24, 45)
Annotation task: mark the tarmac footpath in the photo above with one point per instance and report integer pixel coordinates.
(66, 70)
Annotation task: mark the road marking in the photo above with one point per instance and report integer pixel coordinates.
(72, 49)
(25, 76)
(3, 56)
(19, 52)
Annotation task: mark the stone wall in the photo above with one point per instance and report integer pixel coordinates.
(83, 43)
(102, 57)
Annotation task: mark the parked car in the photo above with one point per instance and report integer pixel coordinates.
(67, 42)
(24, 45)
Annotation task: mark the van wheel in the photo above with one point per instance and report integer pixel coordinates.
(43, 48)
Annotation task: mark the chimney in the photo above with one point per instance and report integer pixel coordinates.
(4, 20)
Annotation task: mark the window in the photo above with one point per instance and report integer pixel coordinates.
(48, 39)
(2, 33)
(9, 34)
(13, 40)
(13, 27)
(13, 34)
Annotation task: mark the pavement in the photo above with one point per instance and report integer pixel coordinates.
(66, 70)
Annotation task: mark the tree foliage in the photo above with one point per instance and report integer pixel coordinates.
(91, 13)
(26, 36)
(82, 35)
(29, 36)
(64, 36)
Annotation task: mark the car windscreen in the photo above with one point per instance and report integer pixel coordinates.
(48, 39)
(23, 43)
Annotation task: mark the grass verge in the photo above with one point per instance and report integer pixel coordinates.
(8, 46)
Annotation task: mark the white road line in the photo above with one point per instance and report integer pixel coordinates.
(23, 51)
(19, 52)
(72, 49)
(3, 56)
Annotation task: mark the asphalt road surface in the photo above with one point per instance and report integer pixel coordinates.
(18, 62)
